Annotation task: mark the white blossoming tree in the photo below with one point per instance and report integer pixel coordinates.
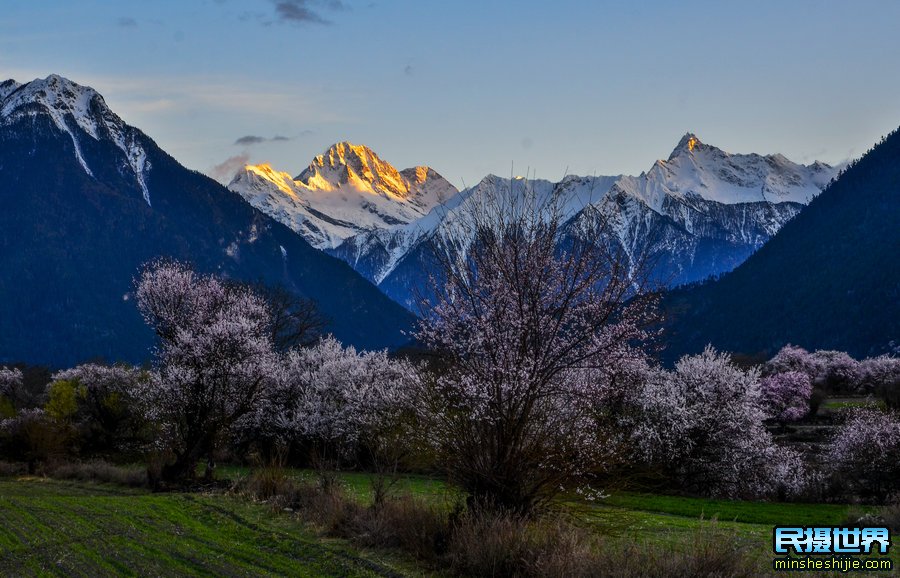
(336, 399)
(214, 362)
(10, 383)
(703, 424)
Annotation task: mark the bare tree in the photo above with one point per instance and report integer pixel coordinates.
(536, 331)
(295, 321)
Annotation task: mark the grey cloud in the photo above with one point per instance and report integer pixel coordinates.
(250, 140)
(297, 11)
(127, 22)
(306, 11)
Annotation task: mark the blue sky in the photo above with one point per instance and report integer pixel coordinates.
(469, 88)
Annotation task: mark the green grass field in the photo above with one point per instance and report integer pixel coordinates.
(54, 528)
(50, 527)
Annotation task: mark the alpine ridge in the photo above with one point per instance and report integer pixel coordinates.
(699, 213)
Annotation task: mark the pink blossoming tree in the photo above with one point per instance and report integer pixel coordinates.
(534, 338)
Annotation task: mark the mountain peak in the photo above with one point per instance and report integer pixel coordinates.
(346, 190)
(75, 110)
(687, 144)
(7, 87)
(358, 166)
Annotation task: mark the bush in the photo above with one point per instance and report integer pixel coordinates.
(503, 545)
(891, 516)
(32, 437)
(99, 471)
(12, 469)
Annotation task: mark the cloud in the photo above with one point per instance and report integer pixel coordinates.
(306, 11)
(127, 22)
(250, 140)
(224, 171)
(408, 71)
(297, 11)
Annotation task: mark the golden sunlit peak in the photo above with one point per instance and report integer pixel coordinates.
(281, 179)
(691, 142)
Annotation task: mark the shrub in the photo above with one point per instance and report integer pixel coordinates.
(12, 469)
(891, 516)
(99, 471)
(490, 542)
(32, 437)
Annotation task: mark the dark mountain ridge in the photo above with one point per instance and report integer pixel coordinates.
(83, 211)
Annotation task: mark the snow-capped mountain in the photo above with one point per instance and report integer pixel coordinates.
(346, 191)
(827, 280)
(700, 213)
(87, 199)
(72, 107)
(698, 170)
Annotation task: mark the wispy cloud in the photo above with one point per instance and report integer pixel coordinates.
(224, 171)
(127, 22)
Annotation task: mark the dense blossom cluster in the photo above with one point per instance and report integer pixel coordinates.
(865, 453)
(537, 384)
(836, 370)
(703, 424)
(333, 396)
(786, 395)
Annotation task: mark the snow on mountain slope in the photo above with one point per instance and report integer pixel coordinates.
(699, 213)
(345, 191)
(700, 170)
(375, 254)
(78, 111)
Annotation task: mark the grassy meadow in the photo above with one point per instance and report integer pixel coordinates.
(52, 527)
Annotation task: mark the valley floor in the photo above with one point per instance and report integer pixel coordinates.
(63, 528)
